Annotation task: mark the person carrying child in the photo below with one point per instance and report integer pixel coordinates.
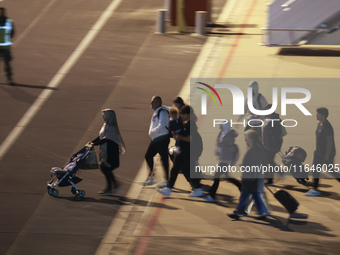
(175, 126)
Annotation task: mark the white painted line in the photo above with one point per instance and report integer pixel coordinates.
(57, 79)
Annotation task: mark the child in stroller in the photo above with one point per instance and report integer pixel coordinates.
(63, 177)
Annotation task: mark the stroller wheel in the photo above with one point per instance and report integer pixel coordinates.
(50, 191)
(55, 192)
(81, 193)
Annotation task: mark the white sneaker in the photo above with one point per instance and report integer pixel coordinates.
(164, 185)
(313, 193)
(208, 198)
(149, 181)
(165, 191)
(197, 193)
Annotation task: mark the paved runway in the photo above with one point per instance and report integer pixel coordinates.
(123, 67)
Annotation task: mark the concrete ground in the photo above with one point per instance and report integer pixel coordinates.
(124, 66)
(183, 225)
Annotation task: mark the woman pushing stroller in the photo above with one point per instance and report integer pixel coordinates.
(111, 146)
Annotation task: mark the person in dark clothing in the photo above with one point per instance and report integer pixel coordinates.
(252, 181)
(228, 153)
(178, 102)
(111, 146)
(325, 149)
(272, 140)
(184, 160)
(6, 34)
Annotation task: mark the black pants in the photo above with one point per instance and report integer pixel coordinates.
(318, 160)
(6, 55)
(160, 147)
(113, 150)
(214, 187)
(182, 162)
(269, 158)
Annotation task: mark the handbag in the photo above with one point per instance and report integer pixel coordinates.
(91, 161)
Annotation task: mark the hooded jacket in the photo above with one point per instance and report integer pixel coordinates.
(259, 102)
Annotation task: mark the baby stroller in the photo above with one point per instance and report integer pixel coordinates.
(65, 176)
(293, 159)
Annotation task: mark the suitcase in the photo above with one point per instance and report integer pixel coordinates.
(286, 199)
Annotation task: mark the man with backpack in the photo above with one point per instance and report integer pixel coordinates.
(160, 138)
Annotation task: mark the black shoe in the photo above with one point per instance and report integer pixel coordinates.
(234, 216)
(262, 217)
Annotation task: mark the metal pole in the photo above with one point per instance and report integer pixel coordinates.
(200, 23)
(167, 6)
(160, 26)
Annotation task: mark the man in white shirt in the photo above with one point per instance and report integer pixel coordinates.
(160, 138)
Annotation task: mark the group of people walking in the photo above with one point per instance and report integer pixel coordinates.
(179, 123)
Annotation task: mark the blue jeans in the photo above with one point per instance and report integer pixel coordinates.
(261, 207)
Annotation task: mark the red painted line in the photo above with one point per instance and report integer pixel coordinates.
(145, 239)
(236, 42)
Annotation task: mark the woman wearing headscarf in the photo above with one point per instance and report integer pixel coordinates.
(228, 153)
(111, 146)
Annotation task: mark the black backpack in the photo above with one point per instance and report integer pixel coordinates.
(159, 112)
(196, 145)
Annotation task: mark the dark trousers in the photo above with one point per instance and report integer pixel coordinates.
(214, 187)
(110, 179)
(182, 162)
(6, 55)
(160, 147)
(318, 160)
(269, 157)
(114, 162)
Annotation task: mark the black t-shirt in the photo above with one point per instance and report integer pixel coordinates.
(324, 130)
(185, 146)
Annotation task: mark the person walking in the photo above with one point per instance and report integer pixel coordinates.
(259, 103)
(228, 154)
(160, 139)
(325, 149)
(111, 146)
(6, 34)
(272, 139)
(252, 181)
(185, 160)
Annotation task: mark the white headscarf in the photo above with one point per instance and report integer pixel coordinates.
(110, 130)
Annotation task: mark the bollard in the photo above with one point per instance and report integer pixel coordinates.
(167, 6)
(160, 26)
(200, 23)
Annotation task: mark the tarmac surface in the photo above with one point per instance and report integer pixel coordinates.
(122, 68)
